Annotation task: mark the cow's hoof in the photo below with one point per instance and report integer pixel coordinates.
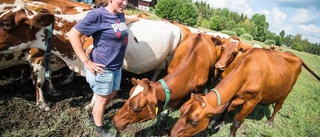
(218, 126)
(212, 123)
(44, 106)
(269, 123)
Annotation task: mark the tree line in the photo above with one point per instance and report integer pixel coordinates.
(200, 14)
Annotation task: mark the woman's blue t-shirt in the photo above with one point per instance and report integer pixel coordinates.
(110, 36)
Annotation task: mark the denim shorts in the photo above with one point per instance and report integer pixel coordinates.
(105, 83)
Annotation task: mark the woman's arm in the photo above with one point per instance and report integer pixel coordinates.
(75, 40)
(131, 18)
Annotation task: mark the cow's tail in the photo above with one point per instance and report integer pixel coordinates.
(307, 68)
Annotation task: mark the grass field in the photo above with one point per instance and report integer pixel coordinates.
(299, 117)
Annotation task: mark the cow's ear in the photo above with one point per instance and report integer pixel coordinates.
(216, 40)
(134, 81)
(20, 17)
(187, 103)
(245, 47)
(42, 20)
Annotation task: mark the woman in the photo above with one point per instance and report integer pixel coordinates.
(107, 26)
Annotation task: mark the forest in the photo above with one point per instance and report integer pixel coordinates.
(201, 15)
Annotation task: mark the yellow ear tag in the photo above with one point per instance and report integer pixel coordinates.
(156, 110)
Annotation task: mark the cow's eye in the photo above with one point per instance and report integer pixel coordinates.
(222, 48)
(194, 123)
(6, 24)
(135, 108)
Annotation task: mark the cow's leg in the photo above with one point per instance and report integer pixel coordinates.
(36, 61)
(25, 75)
(162, 117)
(156, 74)
(220, 122)
(51, 90)
(69, 79)
(38, 80)
(277, 107)
(239, 118)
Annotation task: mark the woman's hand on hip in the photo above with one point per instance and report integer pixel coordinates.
(94, 67)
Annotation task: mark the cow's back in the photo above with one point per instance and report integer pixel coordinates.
(58, 6)
(268, 73)
(150, 43)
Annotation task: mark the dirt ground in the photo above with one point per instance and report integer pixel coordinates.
(67, 115)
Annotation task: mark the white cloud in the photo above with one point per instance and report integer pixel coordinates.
(248, 12)
(309, 31)
(302, 16)
(275, 16)
(292, 16)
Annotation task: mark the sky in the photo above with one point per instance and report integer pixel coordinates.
(292, 16)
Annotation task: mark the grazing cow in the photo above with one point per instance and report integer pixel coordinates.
(229, 49)
(157, 40)
(260, 76)
(188, 72)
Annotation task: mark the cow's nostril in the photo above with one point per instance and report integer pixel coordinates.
(217, 66)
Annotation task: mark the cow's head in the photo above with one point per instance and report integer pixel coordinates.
(195, 116)
(140, 106)
(19, 27)
(229, 50)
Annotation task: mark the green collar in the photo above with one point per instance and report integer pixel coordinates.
(167, 90)
(218, 95)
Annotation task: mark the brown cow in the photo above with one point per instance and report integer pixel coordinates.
(188, 72)
(229, 49)
(261, 76)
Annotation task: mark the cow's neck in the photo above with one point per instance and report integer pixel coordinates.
(226, 88)
(180, 86)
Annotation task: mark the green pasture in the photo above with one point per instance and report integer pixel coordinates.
(299, 116)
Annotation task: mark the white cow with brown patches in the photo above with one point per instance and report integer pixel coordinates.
(151, 43)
